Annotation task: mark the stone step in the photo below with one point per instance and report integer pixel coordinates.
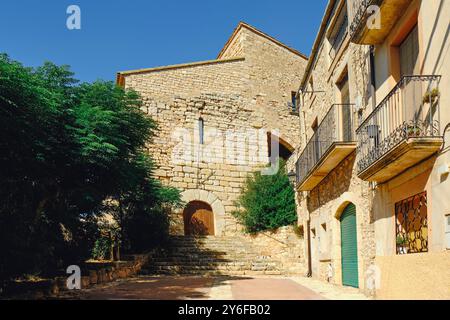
(216, 263)
(206, 268)
(210, 255)
(214, 273)
(197, 254)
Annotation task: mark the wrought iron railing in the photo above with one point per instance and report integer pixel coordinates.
(337, 126)
(357, 12)
(410, 110)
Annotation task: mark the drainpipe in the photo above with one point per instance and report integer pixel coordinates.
(303, 142)
(372, 77)
(308, 238)
(372, 185)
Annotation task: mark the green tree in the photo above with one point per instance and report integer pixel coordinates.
(65, 150)
(267, 202)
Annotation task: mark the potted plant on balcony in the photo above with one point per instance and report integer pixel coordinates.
(412, 130)
(402, 245)
(431, 96)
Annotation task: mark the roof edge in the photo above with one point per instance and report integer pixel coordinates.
(243, 24)
(180, 66)
(319, 37)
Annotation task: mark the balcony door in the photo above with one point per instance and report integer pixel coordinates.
(409, 54)
(317, 142)
(345, 125)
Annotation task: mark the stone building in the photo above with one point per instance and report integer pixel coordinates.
(403, 141)
(373, 171)
(218, 121)
(333, 202)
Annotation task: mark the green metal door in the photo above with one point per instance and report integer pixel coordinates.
(349, 247)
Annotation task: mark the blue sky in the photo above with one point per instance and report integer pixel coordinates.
(133, 34)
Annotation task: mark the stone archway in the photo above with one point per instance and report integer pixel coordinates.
(209, 198)
(285, 148)
(349, 247)
(346, 199)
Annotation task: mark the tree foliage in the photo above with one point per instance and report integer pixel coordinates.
(267, 202)
(66, 148)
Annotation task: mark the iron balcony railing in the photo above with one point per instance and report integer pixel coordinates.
(337, 126)
(410, 110)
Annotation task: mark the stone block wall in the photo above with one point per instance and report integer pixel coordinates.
(166, 83)
(92, 273)
(285, 246)
(241, 98)
(323, 205)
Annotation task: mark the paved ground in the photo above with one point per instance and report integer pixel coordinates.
(217, 288)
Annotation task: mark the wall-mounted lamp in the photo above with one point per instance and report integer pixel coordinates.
(292, 178)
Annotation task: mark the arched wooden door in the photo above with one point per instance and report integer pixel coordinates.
(198, 219)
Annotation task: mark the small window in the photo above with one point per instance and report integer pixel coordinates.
(201, 131)
(311, 85)
(294, 99)
(338, 33)
(315, 125)
(325, 240)
(447, 231)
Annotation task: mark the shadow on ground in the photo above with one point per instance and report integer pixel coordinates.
(156, 288)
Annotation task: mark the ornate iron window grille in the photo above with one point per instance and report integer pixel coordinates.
(410, 110)
(336, 126)
(412, 225)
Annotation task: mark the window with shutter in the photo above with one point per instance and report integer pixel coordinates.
(409, 54)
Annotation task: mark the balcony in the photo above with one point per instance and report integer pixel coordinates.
(361, 29)
(332, 142)
(402, 131)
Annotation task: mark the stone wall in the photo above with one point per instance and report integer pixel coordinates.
(92, 273)
(166, 83)
(285, 246)
(323, 205)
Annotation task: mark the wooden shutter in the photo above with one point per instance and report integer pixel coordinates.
(409, 54)
(349, 247)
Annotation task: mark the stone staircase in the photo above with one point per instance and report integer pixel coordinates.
(211, 256)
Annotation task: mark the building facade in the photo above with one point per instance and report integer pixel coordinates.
(334, 203)
(372, 171)
(217, 122)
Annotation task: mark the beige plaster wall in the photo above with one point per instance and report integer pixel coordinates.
(420, 276)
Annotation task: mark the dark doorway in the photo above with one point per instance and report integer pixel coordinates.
(198, 219)
(285, 150)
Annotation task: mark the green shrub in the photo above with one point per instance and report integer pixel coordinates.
(102, 248)
(267, 202)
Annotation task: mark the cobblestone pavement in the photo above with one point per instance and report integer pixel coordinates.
(217, 288)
